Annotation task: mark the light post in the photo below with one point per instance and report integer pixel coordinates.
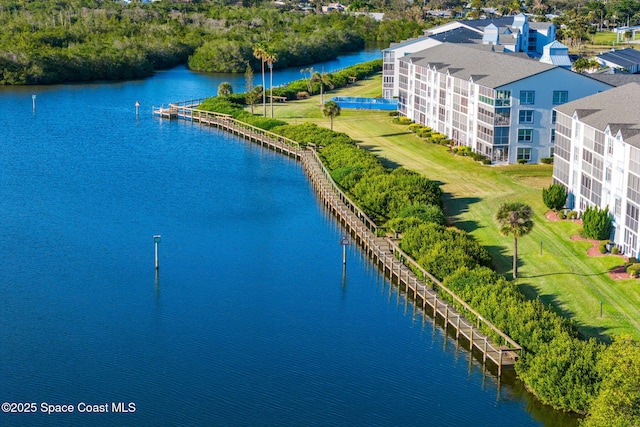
(156, 241)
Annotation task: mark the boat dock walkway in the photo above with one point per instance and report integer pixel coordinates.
(428, 292)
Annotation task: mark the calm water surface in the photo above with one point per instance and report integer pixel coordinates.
(251, 319)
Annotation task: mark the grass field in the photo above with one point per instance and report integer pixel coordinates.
(551, 265)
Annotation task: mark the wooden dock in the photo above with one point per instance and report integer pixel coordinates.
(426, 290)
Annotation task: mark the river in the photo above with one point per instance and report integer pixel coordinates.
(250, 319)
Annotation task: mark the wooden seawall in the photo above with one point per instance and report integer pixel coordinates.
(384, 251)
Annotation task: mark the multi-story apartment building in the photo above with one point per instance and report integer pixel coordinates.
(506, 34)
(500, 105)
(597, 158)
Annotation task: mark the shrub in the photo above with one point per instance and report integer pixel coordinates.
(523, 161)
(572, 215)
(634, 270)
(302, 94)
(562, 215)
(454, 150)
(597, 223)
(554, 196)
(633, 260)
(547, 160)
(437, 137)
(401, 120)
(615, 250)
(393, 113)
(486, 161)
(602, 247)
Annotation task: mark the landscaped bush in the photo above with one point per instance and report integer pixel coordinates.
(634, 270)
(523, 161)
(486, 161)
(547, 160)
(597, 223)
(602, 247)
(572, 215)
(401, 120)
(437, 137)
(415, 127)
(554, 196)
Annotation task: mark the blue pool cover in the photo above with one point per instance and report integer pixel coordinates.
(366, 103)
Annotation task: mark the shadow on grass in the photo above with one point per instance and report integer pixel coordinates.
(552, 302)
(457, 205)
(386, 135)
(502, 260)
(379, 154)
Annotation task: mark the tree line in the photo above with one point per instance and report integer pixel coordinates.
(83, 40)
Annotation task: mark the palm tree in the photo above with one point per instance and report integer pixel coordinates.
(308, 81)
(324, 79)
(270, 57)
(515, 219)
(331, 109)
(260, 51)
(225, 89)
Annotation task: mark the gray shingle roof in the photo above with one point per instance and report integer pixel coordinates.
(625, 57)
(617, 79)
(616, 108)
(489, 69)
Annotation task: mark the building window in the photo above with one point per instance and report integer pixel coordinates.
(525, 135)
(503, 98)
(527, 97)
(524, 154)
(501, 136)
(560, 97)
(525, 116)
(553, 117)
(618, 207)
(553, 136)
(607, 175)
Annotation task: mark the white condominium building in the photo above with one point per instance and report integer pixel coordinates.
(597, 158)
(499, 104)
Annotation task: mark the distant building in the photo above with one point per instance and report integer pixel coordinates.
(597, 158)
(500, 105)
(555, 53)
(627, 60)
(512, 34)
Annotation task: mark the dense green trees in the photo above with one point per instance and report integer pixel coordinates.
(618, 401)
(80, 40)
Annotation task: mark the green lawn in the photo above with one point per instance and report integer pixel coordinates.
(552, 266)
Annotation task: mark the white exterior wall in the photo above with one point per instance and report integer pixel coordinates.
(543, 85)
(615, 182)
(391, 58)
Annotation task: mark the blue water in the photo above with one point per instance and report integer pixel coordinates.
(250, 320)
